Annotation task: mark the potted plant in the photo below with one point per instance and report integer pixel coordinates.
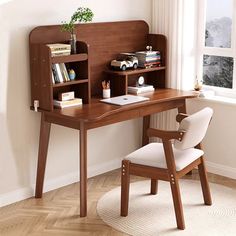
(82, 14)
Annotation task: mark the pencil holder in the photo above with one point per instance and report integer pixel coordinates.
(106, 93)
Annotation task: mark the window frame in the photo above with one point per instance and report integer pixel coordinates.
(214, 51)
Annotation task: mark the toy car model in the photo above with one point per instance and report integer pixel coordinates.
(125, 61)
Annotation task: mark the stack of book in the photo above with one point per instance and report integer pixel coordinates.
(67, 103)
(59, 49)
(148, 58)
(140, 89)
(59, 73)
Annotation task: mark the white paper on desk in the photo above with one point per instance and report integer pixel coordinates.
(124, 100)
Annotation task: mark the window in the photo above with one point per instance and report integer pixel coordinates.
(217, 40)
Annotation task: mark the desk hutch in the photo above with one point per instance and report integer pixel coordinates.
(98, 44)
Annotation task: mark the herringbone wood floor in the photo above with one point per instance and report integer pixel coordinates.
(57, 213)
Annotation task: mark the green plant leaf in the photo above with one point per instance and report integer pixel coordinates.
(82, 14)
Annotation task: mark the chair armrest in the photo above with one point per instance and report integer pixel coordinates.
(165, 135)
(180, 117)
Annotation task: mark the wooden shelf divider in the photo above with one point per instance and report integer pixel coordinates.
(78, 81)
(70, 58)
(134, 72)
(43, 89)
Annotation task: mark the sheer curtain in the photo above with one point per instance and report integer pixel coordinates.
(177, 19)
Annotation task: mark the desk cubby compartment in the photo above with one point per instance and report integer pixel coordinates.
(120, 80)
(80, 89)
(42, 87)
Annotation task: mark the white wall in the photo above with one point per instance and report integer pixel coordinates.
(19, 127)
(219, 143)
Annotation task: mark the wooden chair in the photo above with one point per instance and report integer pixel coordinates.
(169, 162)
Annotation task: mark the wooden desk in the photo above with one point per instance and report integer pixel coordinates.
(98, 44)
(97, 114)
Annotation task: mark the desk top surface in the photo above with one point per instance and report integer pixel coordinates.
(98, 110)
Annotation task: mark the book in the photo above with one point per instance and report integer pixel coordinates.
(147, 53)
(140, 89)
(55, 47)
(53, 79)
(60, 53)
(59, 49)
(68, 103)
(149, 64)
(54, 71)
(148, 58)
(58, 71)
(64, 72)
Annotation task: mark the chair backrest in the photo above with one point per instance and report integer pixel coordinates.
(195, 127)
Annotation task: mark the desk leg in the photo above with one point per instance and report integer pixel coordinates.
(182, 109)
(146, 125)
(42, 155)
(83, 170)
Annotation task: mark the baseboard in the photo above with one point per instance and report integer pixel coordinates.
(104, 167)
(223, 170)
(24, 193)
(15, 196)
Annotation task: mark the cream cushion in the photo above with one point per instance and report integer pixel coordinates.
(195, 127)
(153, 155)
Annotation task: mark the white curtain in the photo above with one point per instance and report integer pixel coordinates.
(177, 20)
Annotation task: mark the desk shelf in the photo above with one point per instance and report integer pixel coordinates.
(134, 72)
(42, 87)
(77, 81)
(120, 80)
(70, 58)
(98, 46)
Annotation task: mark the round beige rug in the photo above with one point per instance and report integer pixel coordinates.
(154, 214)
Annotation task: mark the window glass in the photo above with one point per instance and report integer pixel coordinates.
(218, 23)
(218, 71)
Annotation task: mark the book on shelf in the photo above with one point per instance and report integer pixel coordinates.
(59, 49)
(53, 79)
(63, 53)
(68, 103)
(149, 64)
(147, 53)
(59, 73)
(148, 58)
(64, 72)
(59, 46)
(140, 89)
(54, 71)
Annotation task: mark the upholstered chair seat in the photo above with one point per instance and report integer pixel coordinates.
(153, 155)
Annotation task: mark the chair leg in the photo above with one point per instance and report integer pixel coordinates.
(204, 183)
(177, 204)
(125, 181)
(154, 186)
(174, 184)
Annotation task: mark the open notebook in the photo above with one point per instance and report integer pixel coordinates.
(124, 100)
